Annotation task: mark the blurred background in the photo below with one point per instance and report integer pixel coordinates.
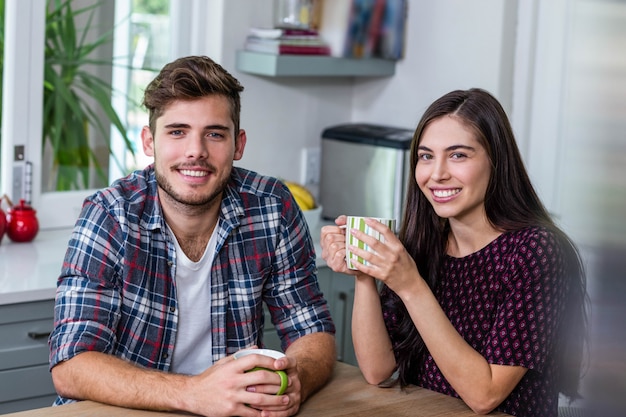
(593, 181)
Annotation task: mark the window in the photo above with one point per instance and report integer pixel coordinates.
(141, 48)
(139, 45)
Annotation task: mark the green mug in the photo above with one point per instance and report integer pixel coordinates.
(358, 223)
(284, 380)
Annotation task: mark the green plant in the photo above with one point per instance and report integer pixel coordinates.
(74, 97)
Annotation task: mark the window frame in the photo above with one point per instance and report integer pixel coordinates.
(23, 96)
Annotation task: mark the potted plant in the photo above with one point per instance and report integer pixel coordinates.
(75, 99)
(77, 102)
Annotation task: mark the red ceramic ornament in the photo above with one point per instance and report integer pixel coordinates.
(3, 223)
(22, 224)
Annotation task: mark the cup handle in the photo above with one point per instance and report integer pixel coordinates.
(284, 379)
(284, 382)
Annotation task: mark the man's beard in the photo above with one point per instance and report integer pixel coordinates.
(197, 200)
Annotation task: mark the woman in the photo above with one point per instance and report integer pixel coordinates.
(481, 287)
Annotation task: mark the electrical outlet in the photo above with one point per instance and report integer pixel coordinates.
(311, 166)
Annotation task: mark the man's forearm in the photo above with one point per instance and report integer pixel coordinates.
(316, 355)
(104, 378)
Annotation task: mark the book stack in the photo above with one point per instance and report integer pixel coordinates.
(365, 28)
(286, 42)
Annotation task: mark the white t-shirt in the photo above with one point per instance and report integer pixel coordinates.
(192, 349)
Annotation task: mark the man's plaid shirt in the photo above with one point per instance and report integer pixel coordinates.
(116, 292)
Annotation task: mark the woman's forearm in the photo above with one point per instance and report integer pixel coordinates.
(481, 385)
(371, 341)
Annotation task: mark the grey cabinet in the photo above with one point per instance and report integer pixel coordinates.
(339, 292)
(25, 381)
(270, 337)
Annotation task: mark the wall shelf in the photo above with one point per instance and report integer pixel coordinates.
(312, 66)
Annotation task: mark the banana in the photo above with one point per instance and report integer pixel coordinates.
(303, 197)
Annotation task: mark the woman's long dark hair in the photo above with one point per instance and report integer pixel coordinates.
(511, 203)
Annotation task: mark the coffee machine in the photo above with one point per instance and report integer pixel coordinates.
(364, 170)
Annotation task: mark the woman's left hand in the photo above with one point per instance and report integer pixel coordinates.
(389, 262)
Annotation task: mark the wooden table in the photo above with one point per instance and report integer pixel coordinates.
(347, 394)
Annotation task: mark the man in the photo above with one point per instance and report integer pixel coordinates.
(167, 270)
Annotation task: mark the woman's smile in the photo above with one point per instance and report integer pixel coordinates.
(445, 193)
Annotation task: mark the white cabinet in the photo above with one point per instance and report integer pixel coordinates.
(25, 381)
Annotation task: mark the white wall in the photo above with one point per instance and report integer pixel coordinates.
(281, 116)
(450, 44)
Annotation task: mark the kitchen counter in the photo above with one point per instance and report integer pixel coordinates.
(29, 271)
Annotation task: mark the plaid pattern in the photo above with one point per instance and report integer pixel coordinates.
(116, 292)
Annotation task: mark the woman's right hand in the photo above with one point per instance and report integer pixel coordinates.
(333, 241)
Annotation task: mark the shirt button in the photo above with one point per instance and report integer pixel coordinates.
(172, 309)
(165, 355)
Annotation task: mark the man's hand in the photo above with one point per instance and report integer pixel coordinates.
(241, 393)
(224, 389)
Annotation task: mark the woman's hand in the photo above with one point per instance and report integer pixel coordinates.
(389, 263)
(333, 241)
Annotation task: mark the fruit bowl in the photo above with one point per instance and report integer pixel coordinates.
(313, 217)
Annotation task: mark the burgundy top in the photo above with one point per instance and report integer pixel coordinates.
(506, 301)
